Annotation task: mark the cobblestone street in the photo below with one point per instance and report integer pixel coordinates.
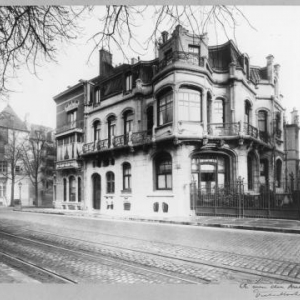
(106, 251)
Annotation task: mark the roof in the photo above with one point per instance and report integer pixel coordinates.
(9, 119)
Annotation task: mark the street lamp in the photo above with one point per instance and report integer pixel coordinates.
(20, 188)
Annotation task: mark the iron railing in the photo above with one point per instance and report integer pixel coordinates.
(72, 125)
(190, 58)
(135, 138)
(223, 129)
(250, 130)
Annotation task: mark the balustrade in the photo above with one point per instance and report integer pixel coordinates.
(223, 129)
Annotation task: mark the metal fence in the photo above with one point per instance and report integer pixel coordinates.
(233, 200)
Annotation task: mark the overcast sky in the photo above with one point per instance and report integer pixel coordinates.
(276, 32)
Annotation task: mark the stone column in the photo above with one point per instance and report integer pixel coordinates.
(175, 109)
(204, 111)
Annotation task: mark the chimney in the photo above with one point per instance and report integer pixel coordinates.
(105, 65)
(295, 116)
(270, 59)
(164, 35)
(134, 61)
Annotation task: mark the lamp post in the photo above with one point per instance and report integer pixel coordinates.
(20, 189)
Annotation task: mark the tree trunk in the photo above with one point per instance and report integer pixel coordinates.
(12, 194)
(36, 194)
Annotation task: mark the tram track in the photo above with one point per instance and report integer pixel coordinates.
(230, 268)
(130, 267)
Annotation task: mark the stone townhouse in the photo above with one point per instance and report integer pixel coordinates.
(143, 138)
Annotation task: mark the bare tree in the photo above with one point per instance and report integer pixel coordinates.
(34, 157)
(13, 153)
(30, 33)
(121, 24)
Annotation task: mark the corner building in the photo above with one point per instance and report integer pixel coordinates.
(158, 133)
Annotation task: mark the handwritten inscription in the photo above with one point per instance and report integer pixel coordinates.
(276, 291)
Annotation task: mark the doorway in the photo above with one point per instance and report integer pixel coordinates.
(96, 179)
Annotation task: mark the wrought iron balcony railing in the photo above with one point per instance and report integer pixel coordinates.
(72, 125)
(190, 58)
(250, 130)
(135, 138)
(223, 129)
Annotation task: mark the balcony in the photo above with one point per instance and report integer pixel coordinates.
(68, 164)
(223, 129)
(187, 57)
(70, 127)
(128, 140)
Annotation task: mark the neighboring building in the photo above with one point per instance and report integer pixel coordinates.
(193, 120)
(292, 152)
(68, 185)
(14, 137)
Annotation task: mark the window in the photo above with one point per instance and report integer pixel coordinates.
(165, 109)
(189, 105)
(278, 172)
(2, 190)
(247, 112)
(110, 182)
(194, 49)
(262, 121)
(96, 127)
(128, 83)
(72, 189)
(128, 121)
(278, 125)
(96, 96)
(264, 171)
(250, 171)
(126, 177)
(79, 189)
(111, 122)
(65, 189)
(164, 172)
(72, 116)
(150, 122)
(168, 56)
(218, 111)
(3, 166)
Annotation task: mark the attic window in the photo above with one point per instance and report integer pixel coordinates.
(97, 96)
(194, 49)
(128, 82)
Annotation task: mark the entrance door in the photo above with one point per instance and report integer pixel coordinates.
(96, 179)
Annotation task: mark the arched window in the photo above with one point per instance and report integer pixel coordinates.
(163, 169)
(72, 189)
(79, 189)
(247, 112)
(262, 121)
(65, 189)
(111, 124)
(250, 171)
(278, 172)
(96, 127)
(219, 111)
(262, 125)
(190, 104)
(110, 182)
(128, 122)
(126, 177)
(165, 108)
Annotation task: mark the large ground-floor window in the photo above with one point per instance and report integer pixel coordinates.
(210, 171)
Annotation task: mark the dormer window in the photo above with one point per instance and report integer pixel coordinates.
(195, 49)
(128, 82)
(97, 96)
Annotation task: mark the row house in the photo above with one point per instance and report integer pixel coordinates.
(141, 137)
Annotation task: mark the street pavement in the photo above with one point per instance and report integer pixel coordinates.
(274, 251)
(258, 224)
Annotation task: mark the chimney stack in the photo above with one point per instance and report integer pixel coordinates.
(164, 35)
(270, 59)
(295, 116)
(105, 65)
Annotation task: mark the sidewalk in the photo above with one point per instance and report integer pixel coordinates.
(271, 225)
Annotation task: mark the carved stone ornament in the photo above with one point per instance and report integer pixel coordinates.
(72, 105)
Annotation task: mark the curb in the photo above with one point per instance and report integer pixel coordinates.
(188, 223)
